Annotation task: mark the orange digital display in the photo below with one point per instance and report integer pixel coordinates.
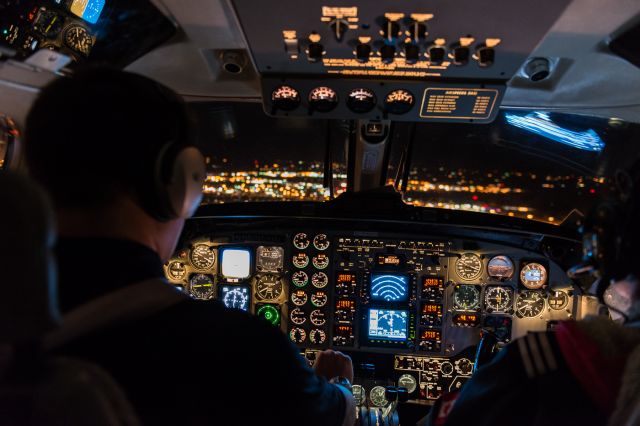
(430, 335)
(346, 278)
(466, 319)
(432, 308)
(389, 259)
(345, 304)
(432, 282)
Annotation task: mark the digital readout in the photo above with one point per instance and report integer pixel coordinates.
(466, 320)
(346, 278)
(432, 308)
(345, 304)
(432, 282)
(430, 335)
(390, 260)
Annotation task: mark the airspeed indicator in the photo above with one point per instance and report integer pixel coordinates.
(469, 266)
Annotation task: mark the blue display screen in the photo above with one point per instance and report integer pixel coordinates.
(389, 288)
(388, 324)
(235, 297)
(89, 10)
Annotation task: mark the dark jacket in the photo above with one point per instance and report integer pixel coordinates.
(194, 362)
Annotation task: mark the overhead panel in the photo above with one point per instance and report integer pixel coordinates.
(438, 61)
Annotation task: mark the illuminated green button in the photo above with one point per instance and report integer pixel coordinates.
(269, 313)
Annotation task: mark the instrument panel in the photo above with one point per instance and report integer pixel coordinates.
(416, 304)
(405, 61)
(86, 31)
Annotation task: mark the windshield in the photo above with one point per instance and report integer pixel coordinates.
(533, 165)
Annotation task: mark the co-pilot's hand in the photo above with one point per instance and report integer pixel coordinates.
(330, 364)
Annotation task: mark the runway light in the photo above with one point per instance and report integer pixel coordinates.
(540, 123)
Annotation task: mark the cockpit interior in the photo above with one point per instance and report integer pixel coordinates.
(400, 181)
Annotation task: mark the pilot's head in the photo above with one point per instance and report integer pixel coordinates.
(611, 233)
(113, 150)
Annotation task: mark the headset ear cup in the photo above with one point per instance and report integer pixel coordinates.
(184, 188)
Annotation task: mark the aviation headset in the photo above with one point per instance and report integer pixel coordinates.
(609, 234)
(174, 188)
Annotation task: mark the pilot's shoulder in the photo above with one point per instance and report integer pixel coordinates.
(213, 318)
(537, 353)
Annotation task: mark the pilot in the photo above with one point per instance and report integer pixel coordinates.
(581, 373)
(114, 151)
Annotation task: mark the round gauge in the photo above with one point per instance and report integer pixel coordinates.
(201, 286)
(301, 241)
(78, 38)
(268, 287)
(469, 266)
(533, 275)
(529, 304)
(202, 256)
(319, 280)
(285, 98)
(359, 394)
(446, 368)
(269, 259)
(176, 270)
(48, 23)
(323, 99)
(361, 100)
(409, 382)
(399, 102)
(500, 267)
(466, 297)
(377, 396)
(321, 242)
(317, 317)
(299, 297)
(558, 300)
(297, 316)
(464, 366)
(269, 313)
(236, 298)
(300, 278)
(319, 299)
(317, 336)
(498, 299)
(321, 261)
(297, 335)
(300, 260)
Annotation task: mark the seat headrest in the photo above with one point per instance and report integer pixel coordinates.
(28, 286)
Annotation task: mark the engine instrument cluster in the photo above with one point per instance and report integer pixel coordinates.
(419, 303)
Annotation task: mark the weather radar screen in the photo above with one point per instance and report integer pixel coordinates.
(235, 297)
(388, 324)
(389, 288)
(236, 263)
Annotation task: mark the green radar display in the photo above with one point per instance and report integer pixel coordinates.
(269, 313)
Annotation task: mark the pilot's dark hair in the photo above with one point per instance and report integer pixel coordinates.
(97, 134)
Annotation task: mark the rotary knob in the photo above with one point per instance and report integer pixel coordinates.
(387, 53)
(461, 55)
(363, 52)
(436, 54)
(411, 53)
(486, 56)
(315, 51)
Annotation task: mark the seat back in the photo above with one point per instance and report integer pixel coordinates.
(36, 388)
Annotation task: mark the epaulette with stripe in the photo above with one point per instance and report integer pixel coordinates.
(537, 354)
